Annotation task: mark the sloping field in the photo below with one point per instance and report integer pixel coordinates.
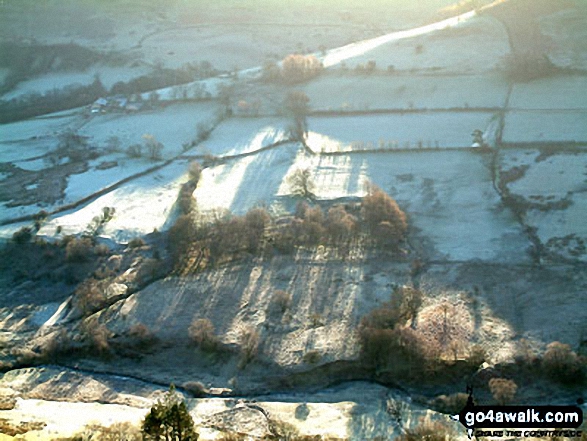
(35, 128)
(84, 184)
(172, 126)
(242, 135)
(568, 31)
(362, 92)
(408, 131)
(142, 205)
(477, 45)
(560, 180)
(552, 126)
(448, 196)
(25, 150)
(562, 92)
(238, 185)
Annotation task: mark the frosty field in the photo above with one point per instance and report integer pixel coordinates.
(381, 91)
(552, 126)
(562, 92)
(142, 205)
(476, 45)
(407, 131)
(242, 135)
(172, 126)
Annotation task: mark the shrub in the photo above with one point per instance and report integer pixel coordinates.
(89, 296)
(79, 250)
(280, 301)
(195, 171)
(169, 419)
(249, 341)
(256, 220)
(341, 226)
(301, 183)
(154, 147)
(296, 68)
(97, 335)
(134, 151)
(24, 235)
(202, 334)
(197, 389)
(503, 390)
(385, 220)
(179, 237)
(430, 431)
(561, 363)
(136, 242)
(141, 335)
(406, 300)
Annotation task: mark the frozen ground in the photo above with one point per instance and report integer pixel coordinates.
(442, 192)
(142, 205)
(448, 196)
(84, 184)
(474, 45)
(408, 131)
(362, 92)
(553, 126)
(242, 135)
(556, 178)
(22, 151)
(36, 128)
(240, 184)
(568, 31)
(561, 92)
(173, 126)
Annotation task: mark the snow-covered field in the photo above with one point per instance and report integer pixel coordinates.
(406, 131)
(361, 92)
(554, 175)
(35, 128)
(24, 150)
(568, 30)
(46, 83)
(141, 206)
(448, 195)
(172, 126)
(561, 92)
(536, 126)
(242, 135)
(240, 184)
(84, 184)
(475, 45)
(559, 177)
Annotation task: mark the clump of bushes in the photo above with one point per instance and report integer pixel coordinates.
(195, 388)
(249, 342)
(169, 419)
(202, 334)
(503, 390)
(562, 364)
(295, 68)
(386, 222)
(78, 250)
